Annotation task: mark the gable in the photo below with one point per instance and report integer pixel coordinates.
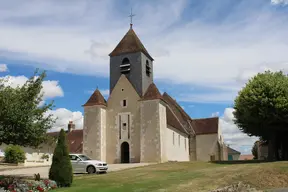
(122, 90)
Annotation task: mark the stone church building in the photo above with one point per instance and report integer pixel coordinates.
(139, 124)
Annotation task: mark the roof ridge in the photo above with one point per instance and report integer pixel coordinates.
(205, 118)
(178, 106)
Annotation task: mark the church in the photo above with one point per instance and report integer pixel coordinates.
(139, 124)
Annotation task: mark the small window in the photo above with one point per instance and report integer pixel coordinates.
(148, 68)
(173, 138)
(124, 103)
(122, 89)
(124, 125)
(179, 139)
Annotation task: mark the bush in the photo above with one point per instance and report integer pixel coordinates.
(14, 154)
(61, 168)
(8, 184)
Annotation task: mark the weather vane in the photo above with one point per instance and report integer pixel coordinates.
(131, 18)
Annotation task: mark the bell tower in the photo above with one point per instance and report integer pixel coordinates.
(131, 58)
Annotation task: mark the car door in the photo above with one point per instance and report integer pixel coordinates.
(74, 163)
(81, 165)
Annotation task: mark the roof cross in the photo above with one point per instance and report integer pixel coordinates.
(131, 18)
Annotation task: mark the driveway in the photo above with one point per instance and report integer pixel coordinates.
(44, 171)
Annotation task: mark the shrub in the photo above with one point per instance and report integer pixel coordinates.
(14, 154)
(8, 184)
(61, 168)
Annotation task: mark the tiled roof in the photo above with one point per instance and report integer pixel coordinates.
(152, 93)
(246, 157)
(74, 139)
(96, 99)
(205, 126)
(130, 43)
(174, 112)
(232, 151)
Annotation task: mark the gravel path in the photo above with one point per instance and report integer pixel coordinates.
(44, 171)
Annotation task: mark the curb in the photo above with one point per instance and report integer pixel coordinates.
(28, 167)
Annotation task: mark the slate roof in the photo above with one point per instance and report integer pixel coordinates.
(232, 151)
(96, 99)
(152, 93)
(205, 125)
(74, 139)
(130, 43)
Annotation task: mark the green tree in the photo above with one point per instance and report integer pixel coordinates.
(22, 120)
(255, 151)
(261, 109)
(61, 168)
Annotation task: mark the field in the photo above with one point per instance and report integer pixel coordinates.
(184, 177)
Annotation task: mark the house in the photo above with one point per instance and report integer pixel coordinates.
(246, 157)
(233, 154)
(43, 154)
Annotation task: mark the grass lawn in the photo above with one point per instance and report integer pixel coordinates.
(184, 177)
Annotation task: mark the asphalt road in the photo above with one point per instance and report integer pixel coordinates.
(43, 171)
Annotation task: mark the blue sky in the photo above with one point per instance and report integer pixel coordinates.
(204, 51)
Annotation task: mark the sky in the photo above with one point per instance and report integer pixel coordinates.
(204, 51)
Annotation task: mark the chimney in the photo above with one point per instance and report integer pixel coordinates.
(71, 126)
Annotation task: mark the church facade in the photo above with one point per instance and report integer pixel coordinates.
(139, 124)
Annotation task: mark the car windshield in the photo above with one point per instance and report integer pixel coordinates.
(84, 157)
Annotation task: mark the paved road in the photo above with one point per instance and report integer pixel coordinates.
(43, 171)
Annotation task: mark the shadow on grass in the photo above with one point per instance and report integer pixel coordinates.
(241, 162)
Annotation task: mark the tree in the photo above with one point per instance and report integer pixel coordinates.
(261, 109)
(61, 168)
(22, 120)
(255, 151)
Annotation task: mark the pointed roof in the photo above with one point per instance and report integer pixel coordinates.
(96, 99)
(152, 93)
(130, 43)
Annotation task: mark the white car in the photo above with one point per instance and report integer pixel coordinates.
(83, 164)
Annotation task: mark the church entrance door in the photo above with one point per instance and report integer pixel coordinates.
(125, 153)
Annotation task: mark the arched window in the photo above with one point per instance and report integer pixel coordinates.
(148, 68)
(125, 66)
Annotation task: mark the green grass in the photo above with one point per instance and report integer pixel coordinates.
(192, 176)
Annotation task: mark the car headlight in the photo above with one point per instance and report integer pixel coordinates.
(99, 164)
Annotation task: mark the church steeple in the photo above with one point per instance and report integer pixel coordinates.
(131, 58)
(130, 43)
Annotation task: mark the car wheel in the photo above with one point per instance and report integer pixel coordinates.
(91, 169)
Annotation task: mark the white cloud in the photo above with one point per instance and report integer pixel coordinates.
(215, 114)
(51, 89)
(222, 54)
(277, 2)
(63, 116)
(3, 68)
(233, 136)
